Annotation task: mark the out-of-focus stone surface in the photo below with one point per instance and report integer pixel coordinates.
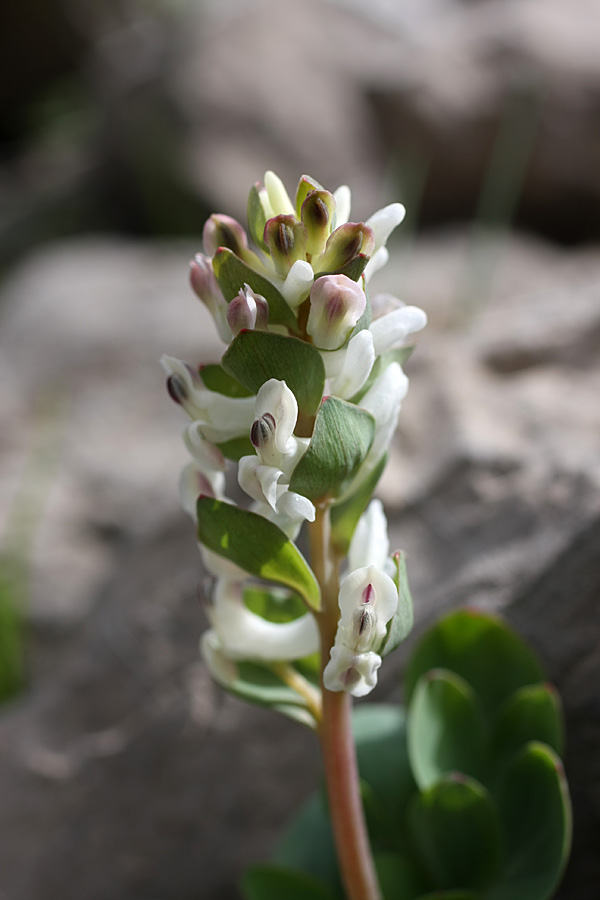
(125, 772)
(82, 329)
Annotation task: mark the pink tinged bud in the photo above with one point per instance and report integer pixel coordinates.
(223, 231)
(286, 239)
(248, 310)
(336, 305)
(206, 287)
(345, 244)
(317, 214)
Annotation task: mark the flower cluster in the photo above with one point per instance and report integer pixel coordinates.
(308, 351)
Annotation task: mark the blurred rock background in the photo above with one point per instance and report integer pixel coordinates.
(124, 773)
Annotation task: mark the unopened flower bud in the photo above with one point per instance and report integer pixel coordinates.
(248, 310)
(336, 305)
(286, 239)
(345, 244)
(206, 287)
(278, 197)
(305, 186)
(223, 231)
(316, 213)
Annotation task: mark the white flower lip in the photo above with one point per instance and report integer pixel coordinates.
(246, 635)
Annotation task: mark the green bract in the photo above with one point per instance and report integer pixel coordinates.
(465, 796)
(255, 545)
(341, 439)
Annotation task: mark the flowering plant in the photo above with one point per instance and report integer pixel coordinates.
(305, 402)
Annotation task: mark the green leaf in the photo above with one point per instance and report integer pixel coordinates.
(480, 648)
(232, 274)
(256, 356)
(398, 876)
(235, 448)
(533, 713)
(256, 218)
(380, 735)
(457, 835)
(402, 622)
(273, 883)
(308, 843)
(446, 731)
(216, 379)
(341, 439)
(257, 546)
(275, 605)
(345, 515)
(536, 814)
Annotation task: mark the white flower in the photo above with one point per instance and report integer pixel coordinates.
(219, 418)
(243, 634)
(370, 544)
(348, 368)
(220, 666)
(393, 328)
(266, 476)
(355, 673)
(383, 400)
(368, 599)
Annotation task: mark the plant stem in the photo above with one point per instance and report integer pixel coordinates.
(335, 733)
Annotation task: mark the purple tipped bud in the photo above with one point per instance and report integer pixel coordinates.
(248, 310)
(223, 231)
(317, 214)
(206, 287)
(336, 305)
(286, 239)
(345, 244)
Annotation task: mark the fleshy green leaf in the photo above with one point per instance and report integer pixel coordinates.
(456, 832)
(536, 814)
(232, 274)
(402, 622)
(446, 730)
(256, 218)
(256, 545)
(216, 379)
(341, 439)
(308, 844)
(345, 515)
(273, 883)
(274, 606)
(380, 735)
(256, 356)
(483, 650)
(398, 876)
(533, 713)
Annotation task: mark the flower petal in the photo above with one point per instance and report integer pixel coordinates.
(245, 635)
(277, 400)
(368, 585)
(392, 329)
(370, 544)
(384, 221)
(355, 673)
(342, 199)
(359, 357)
